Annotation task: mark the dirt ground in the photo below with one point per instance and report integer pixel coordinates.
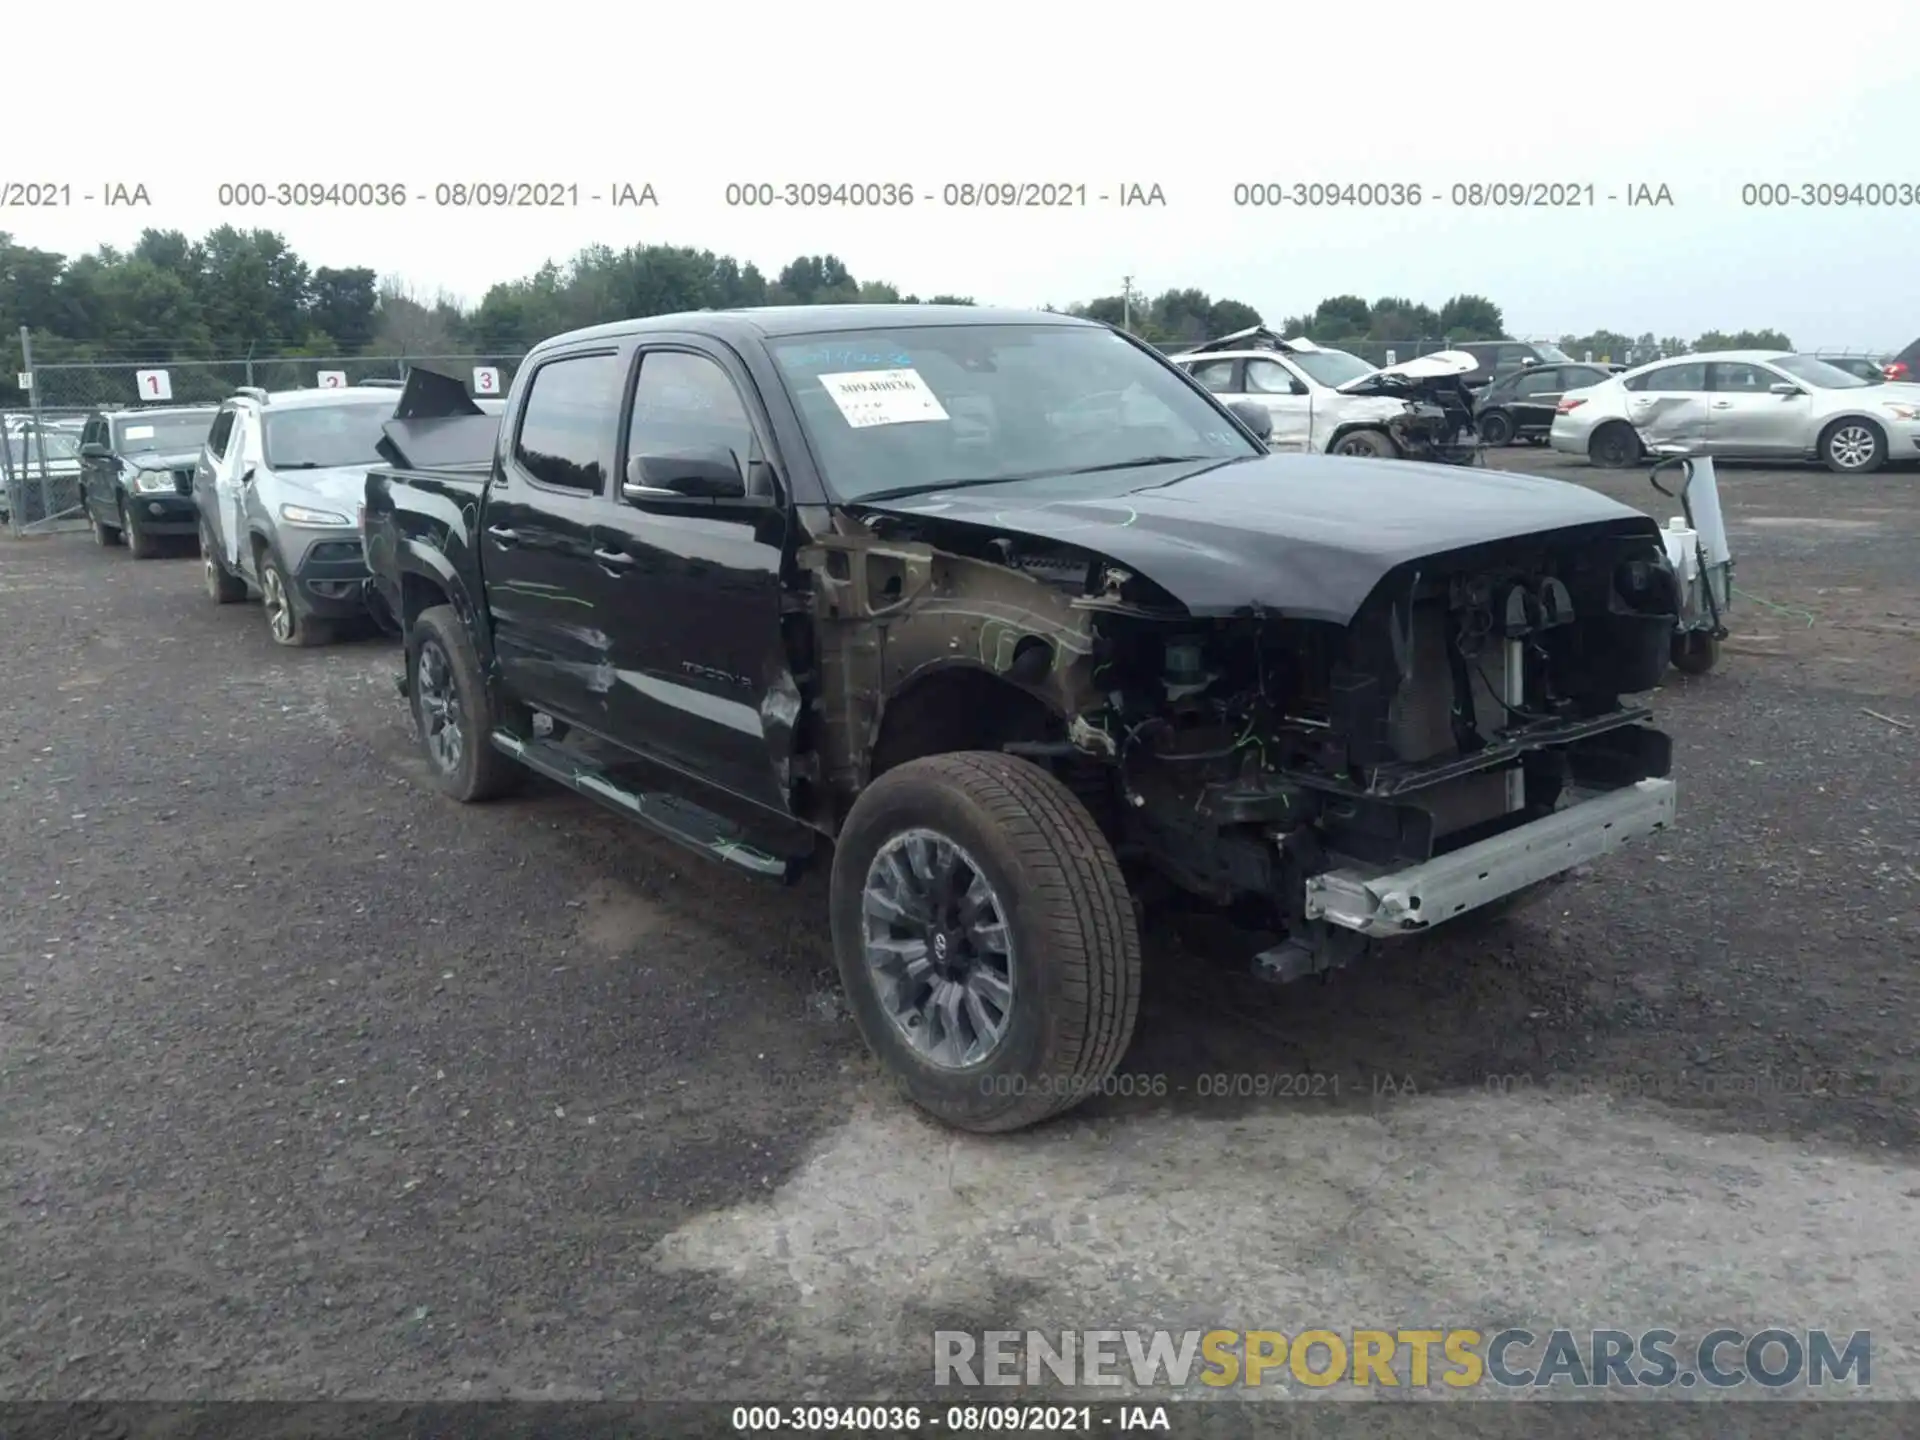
(314, 1084)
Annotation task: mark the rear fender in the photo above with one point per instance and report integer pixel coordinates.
(423, 562)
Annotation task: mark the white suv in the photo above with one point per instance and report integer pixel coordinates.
(1326, 401)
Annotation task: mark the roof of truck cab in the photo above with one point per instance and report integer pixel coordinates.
(780, 321)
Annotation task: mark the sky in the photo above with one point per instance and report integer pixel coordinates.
(1705, 100)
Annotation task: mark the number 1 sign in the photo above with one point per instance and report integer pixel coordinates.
(153, 384)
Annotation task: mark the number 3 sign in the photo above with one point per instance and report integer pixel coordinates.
(153, 384)
(486, 380)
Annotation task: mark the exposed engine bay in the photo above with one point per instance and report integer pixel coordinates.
(1247, 758)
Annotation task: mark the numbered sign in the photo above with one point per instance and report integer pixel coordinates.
(486, 380)
(333, 379)
(153, 384)
(25, 379)
(1390, 359)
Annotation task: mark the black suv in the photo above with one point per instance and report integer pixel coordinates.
(1520, 406)
(1501, 358)
(136, 475)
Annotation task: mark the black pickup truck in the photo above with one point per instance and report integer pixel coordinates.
(1017, 628)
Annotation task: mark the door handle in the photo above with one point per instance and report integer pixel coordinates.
(1723, 404)
(504, 535)
(618, 559)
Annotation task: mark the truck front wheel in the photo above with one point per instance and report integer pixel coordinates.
(986, 939)
(452, 711)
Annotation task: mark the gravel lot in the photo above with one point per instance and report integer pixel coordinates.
(312, 1083)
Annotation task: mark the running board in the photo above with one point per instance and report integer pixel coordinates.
(666, 815)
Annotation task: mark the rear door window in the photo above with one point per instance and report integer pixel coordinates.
(1672, 379)
(570, 422)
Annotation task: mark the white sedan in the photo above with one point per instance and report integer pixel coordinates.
(1743, 405)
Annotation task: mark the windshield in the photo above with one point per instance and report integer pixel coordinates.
(1553, 355)
(1818, 373)
(315, 437)
(162, 434)
(23, 446)
(1331, 367)
(926, 406)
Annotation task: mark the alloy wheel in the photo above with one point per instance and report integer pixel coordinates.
(273, 594)
(938, 949)
(1852, 447)
(440, 717)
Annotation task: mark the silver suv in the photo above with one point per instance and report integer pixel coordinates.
(278, 490)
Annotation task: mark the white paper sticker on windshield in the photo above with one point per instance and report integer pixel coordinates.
(882, 397)
(137, 432)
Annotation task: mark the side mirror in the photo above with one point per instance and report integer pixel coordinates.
(1781, 387)
(94, 450)
(1299, 387)
(1256, 418)
(705, 472)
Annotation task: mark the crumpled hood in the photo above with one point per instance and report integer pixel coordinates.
(163, 460)
(1306, 535)
(1442, 365)
(340, 488)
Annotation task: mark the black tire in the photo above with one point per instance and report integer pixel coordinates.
(1496, 428)
(1852, 446)
(105, 536)
(285, 624)
(1695, 652)
(223, 586)
(481, 772)
(1614, 446)
(140, 544)
(1374, 444)
(1074, 975)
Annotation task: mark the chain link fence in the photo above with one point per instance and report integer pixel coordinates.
(198, 382)
(40, 468)
(40, 455)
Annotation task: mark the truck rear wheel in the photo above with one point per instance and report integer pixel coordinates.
(452, 711)
(986, 939)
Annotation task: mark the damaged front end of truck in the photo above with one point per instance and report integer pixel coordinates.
(1338, 739)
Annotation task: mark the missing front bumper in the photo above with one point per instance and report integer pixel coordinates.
(1399, 902)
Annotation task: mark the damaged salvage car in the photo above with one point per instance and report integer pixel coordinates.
(1012, 625)
(1326, 401)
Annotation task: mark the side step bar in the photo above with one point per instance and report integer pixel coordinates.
(666, 815)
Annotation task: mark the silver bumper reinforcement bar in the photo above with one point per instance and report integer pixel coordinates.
(1398, 902)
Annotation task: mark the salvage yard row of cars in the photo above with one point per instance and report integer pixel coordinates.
(1852, 415)
(1015, 626)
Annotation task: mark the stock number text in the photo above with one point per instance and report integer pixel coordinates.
(311, 194)
(1820, 194)
(1317, 193)
(817, 194)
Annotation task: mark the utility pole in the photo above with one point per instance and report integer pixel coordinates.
(1126, 303)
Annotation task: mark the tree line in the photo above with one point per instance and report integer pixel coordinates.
(238, 293)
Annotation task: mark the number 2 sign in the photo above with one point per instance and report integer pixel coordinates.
(486, 380)
(333, 379)
(153, 384)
